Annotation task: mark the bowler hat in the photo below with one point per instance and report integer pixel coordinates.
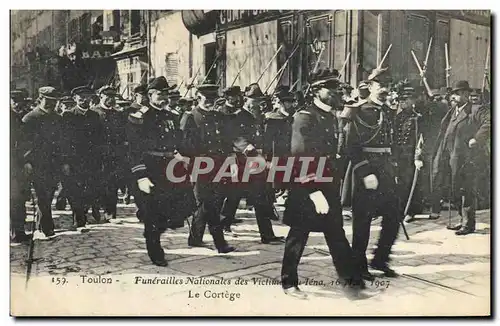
(232, 91)
(461, 85)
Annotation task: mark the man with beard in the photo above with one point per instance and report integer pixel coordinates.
(19, 185)
(465, 129)
(154, 138)
(85, 135)
(44, 157)
(407, 150)
(368, 146)
(313, 205)
(204, 136)
(114, 150)
(243, 132)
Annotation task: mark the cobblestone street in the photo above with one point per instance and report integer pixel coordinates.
(440, 273)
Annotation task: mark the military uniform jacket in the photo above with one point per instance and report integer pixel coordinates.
(277, 134)
(405, 135)
(313, 135)
(44, 136)
(156, 132)
(242, 129)
(115, 136)
(368, 141)
(84, 136)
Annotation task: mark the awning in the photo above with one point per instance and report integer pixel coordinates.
(200, 22)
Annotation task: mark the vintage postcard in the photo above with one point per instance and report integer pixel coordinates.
(250, 163)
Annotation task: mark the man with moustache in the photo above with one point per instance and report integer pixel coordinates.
(204, 136)
(314, 205)
(44, 158)
(368, 146)
(84, 135)
(464, 130)
(114, 150)
(154, 138)
(243, 132)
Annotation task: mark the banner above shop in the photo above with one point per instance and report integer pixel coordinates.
(233, 18)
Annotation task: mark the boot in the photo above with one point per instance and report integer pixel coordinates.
(219, 241)
(470, 222)
(155, 251)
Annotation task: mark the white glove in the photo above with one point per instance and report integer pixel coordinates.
(472, 142)
(320, 202)
(418, 164)
(145, 185)
(371, 181)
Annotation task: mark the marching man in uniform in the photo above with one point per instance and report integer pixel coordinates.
(368, 146)
(154, 139)
(204, 136)
(313, 205)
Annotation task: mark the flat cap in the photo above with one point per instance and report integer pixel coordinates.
(159, 83)
(324, 78)
(67, 100)
(106, 90)
(48, 92)
(81, 90)
(232, 91)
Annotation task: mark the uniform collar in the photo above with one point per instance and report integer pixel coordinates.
(156, 107)
(376, 100)
(81, 110)
(321, 105)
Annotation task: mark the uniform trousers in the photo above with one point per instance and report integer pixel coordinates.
(368, 204)
(45, 187)
(18, 196)
(332, 226)
(114, 178)
(209, 200)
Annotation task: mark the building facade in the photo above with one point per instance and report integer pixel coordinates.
(238, 47)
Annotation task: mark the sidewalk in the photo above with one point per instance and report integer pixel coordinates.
(440, 273)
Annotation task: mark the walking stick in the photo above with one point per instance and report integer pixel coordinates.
(31, 247)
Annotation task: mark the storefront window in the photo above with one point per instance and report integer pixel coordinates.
(418, 31)
(442, 37)
(285, 37)
(319, 42)
(221, 66)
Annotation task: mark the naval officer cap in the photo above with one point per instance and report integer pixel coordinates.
(174, 94)
(158, 84)
(232, 91)
(141, 89)
(253, 91)
(324, 78)
(283, 93)
(208, 89)
(82, 90)
(48, 92)
(106, 90)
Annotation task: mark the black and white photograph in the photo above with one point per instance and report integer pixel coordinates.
(332, 162)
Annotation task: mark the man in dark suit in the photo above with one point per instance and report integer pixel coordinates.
(464, 130)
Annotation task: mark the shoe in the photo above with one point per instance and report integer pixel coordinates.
(294, 291)
(226, 249)
(455, 227)
(162, 262)
(20, 238)
(273, 240)
(107, 217)
(366, 275)
(197, 244)
(388, 272)
(409, 218)
(49, 233)
(465, 230)
(434, 216)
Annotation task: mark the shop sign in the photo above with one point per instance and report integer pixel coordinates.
(233, 17)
